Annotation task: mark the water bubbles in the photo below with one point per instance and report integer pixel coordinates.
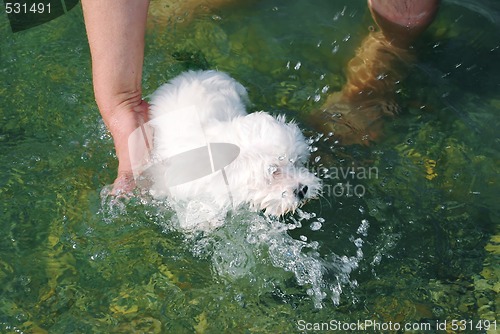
(358, 242)
(339, 14)
(376, 259)
(315, 226)
(240, 299)
(85, 156)
(335, 49)
(363, 228)
(314, 245)
(232, 258)
(112, 205)
(272, 169)
(315, 139)
(305, 215)
(98, 256)
(287, 253)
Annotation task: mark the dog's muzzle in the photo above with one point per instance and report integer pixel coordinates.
(301, 191)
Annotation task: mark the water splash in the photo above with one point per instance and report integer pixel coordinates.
(111, 206)
(260, 250)
(114, 205)
(250, 247)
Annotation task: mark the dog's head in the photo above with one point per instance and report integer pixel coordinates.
(270, 172)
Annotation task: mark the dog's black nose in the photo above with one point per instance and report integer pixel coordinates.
(301, 191)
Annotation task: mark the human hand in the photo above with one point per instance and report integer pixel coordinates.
(121, 123)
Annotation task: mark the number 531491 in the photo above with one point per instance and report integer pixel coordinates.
(25, 8)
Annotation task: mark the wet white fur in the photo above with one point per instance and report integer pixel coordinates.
(269, 171)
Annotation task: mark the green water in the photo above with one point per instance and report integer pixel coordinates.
(416, 246)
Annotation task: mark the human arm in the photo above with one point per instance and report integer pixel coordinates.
(115, 31)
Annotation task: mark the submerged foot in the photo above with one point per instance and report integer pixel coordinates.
(353, 122)
(355, 115)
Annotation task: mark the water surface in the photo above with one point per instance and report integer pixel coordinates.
(416, 241)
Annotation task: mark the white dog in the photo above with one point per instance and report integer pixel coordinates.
(211, 156)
